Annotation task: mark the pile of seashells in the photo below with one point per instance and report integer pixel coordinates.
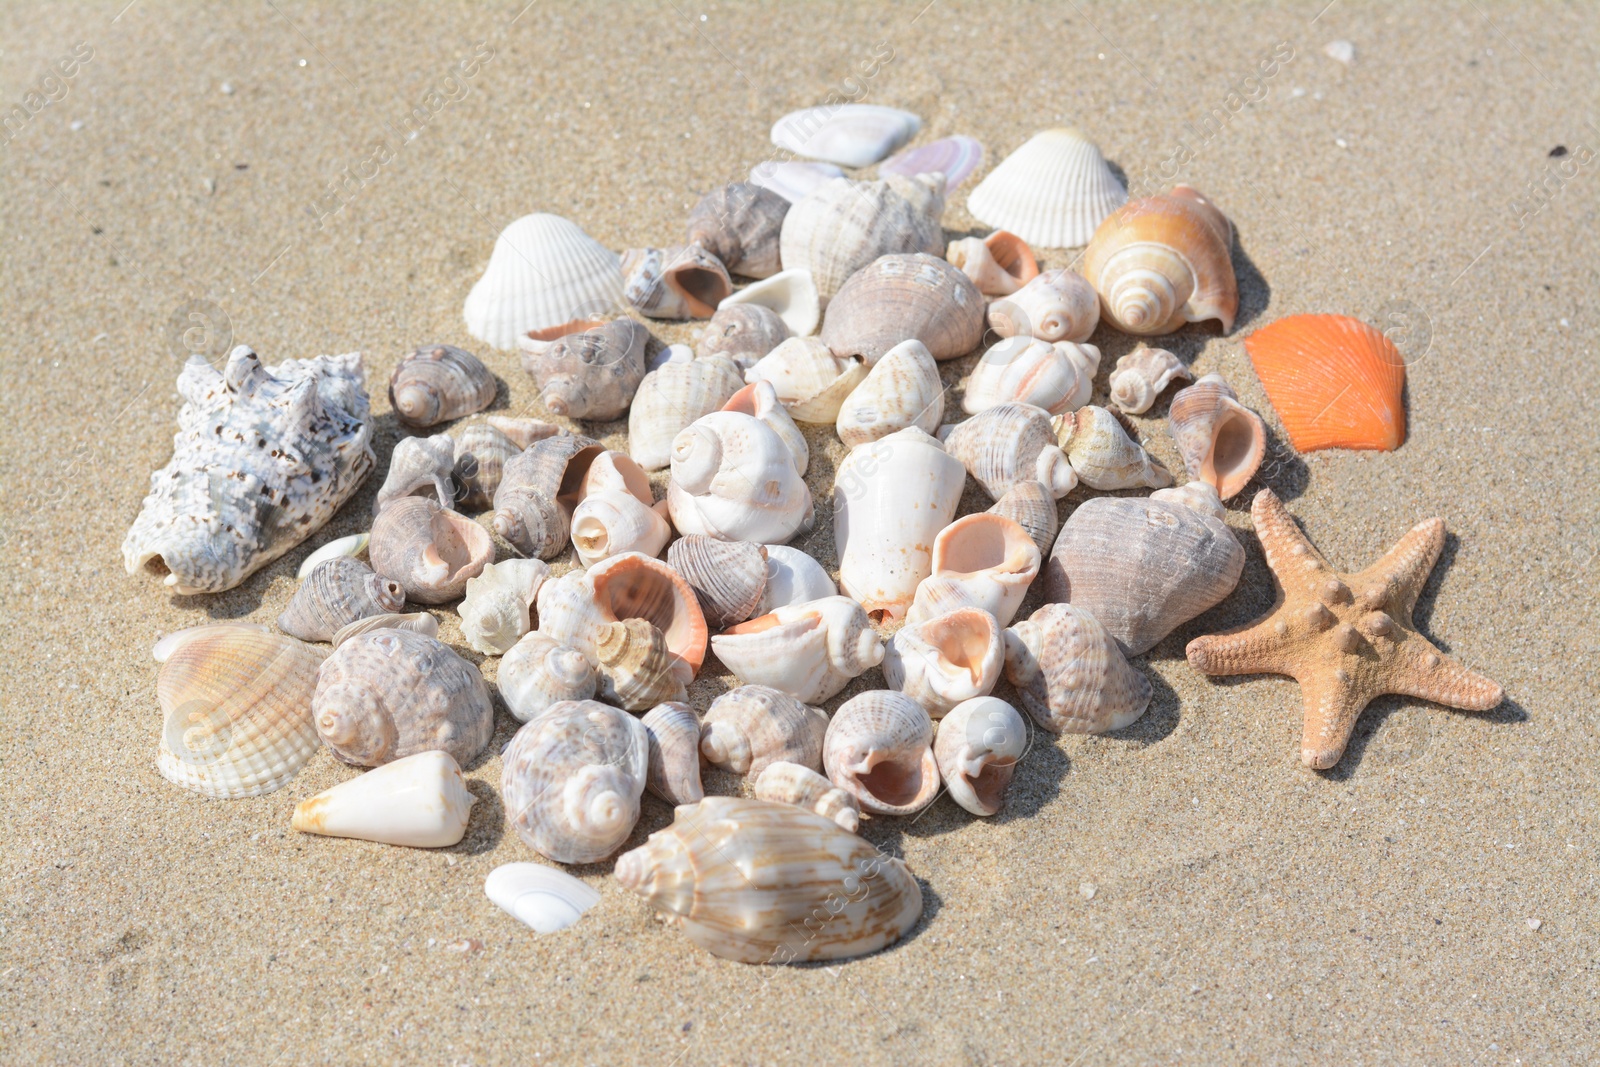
(596, 662)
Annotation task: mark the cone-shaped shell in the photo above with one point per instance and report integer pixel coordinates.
(1142, 567)
(1007, 444)
(981, 561)
(389, 694)
(792, 294)
(420, 466)
(1163, 261)
(941, 661)
(743, 332)
(672, 397)
(747, 879)
(429, 550)
(1221, 441)
(740, 223)
(481, 450)
(1058, 305)
(540, 671)
(793, 577)
(852, 135)
(1052, 192)
(236, 707)
(1335, 382)
(880, 748)
(809, 650)
(1070, 673)
(760, 401)
(734, 478)
(810, 379)
(998, 265)
(902, 389)
(438, 383)
(420, 801)
(846, 224)
(544, 899)
(790, 783)
(1057, 377)
(954, 157)
(748, 728)
(337, 593)
(592, 374)
(978, 746)
(1103, 455)
(538, 491)
(1032, 506)
(1141, 375)
(674, 731)
(572, 780)
(636, 667)
(728, 577)
(494, 615)
(544, 273)
(905, 296)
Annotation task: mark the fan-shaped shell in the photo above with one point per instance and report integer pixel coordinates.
(945, 659)
(1057, 305)
(1053, 191)
(673, 396)
(998, 265)
(1007, 444)
(437, 383)
(794, 180)
(494, 615)
(540, 671)
(734, 478)
(902, 389)
(429, 550)
(739, 223)
(1070, 673)
(905, 296)
(1103, 455)
(1141, 375)
(794, 577)
(981, 561)
(538, 491)
(790, 783)
(390, 693)
(852, 135)
(760, 400)
(792, 294)
(954, 157)
(809, 650)
(1221, 441)
(674, 730)
(846, 224)
(593, 374)
(1162, 261)
(544, 274)
(573, 778)
(419, 466)
(1057, 377)
(419, 802)
(1335, 382)
(748, 728)
(743, 332)
(978, 746)
(728, 577)
(811, 380)
(880, 748)
(1142, 567)
(1031, 505)
(337, 593)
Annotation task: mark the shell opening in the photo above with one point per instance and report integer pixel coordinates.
(1233, 446)
(962, 638)
(893, 781)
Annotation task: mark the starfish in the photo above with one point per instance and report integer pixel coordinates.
(1346, 638)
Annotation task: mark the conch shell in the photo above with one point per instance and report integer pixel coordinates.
(1007, 444)
(1162, 261)
(430, 551)
(810, 380)
(390, 693)
(790, 783)
(1057, 305)
(740, 224)
(494, 615)
(438, 383)
(1102, 454)
(978, 746)
(998, 265)
(686, 282)
(810, 650)
(733, 478)
(1221, 441)
(1070, 673)
(744, 332)
(573, 778)
(420, 802)
(945, 660)
(793, 577)
(983, 561)
(728, 577)
(902, 389)
(845, 224)
(575, 607)
(674, 731)
(636, 666)
(758, 882)
(909, 296)
(1057, 377)
(748, 728)
(760, 400)
(593, 374)
(880, 748)
(672, 397)
(419, 466)
(539, 672)
(337, 593)
(538, 491)
(260, 461)
(1141, 375)
(1032, 506)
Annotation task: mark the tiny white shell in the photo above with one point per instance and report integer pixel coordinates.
(852, 135)
(794, 180)
(542, 898)
(1141, 375)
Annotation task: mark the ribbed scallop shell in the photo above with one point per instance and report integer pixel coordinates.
(954, 157)
(1162, 261)
(846, 224)
(1057, 305)
(1141, 375)
(494, 615)
(544, 273)
(538, 491)
(592, 374)
(810, 379)
(998, 265)
(981, 561)
(540, 671)
(792, 294)
(481, 452)
(337, 593)
(809, 650)
(1070, 673)
(390, 693)
(739, 223)
(429, 550)
(851, 135)
(672, 397)
(978, 746)
(636, 666)
(743, 332)
(793, 577)
(674, 730)
(420, 466)
(1102, 453)
(790, 783)
(760, 400)
(880, 748)
(236, 708)
(728, 577)
(902, 389)
(734, 478)
(1335, 382)
(794, 180)
(904, 296)
(1007, 444)
(1052, 192)
(438, 383)
(758, 882)
(748, 728)
(1031, 505)
(1221, 441)
(941, 661)
(572, 780)
(1057, 377)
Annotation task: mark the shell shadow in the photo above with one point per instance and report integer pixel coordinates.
(1374, 742)
(1422, 614)
(1282, 470)
(1160, 716)
(1254, 292)
(487, 823)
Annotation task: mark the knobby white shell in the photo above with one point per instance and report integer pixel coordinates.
(540, 671)
(791, 293)
(734, 478)
(879, 747)
(494, 615)
(1141, 375)
(790, 783)
(420, 801)
(793, 180)
(809, 379)
(945, 660)
(1053, 191)
(544, 899)
(1007, 444)
(794, 577)
(984, 561)
(351, 547)
(544, 274)
(1057, 305)
(846, 224)
(1070, 673)
(809, 650)
(978, 746)
(750, 727)
(852, 135)
(1057, 377)
(902, 389)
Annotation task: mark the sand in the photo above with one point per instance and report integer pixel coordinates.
(1182, 890)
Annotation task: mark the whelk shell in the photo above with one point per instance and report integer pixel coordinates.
(739, 224)
(611, 522)
(1335, 381)
(1032, 506)
(902, 389)
(572, 780)
(636, 667)
(851, 135)
(483, 447)
(429, 550)
(1162, 261)
(1007, 444)
(744, 332)
(592, 374)
(540, 671)
(790, 783)
(942, 661)
(438, 383)
(685, 282)
(734, 478)
(573, 608)
(758, 882)
(1141, 375)
(1102, 454)
(538, 491)
(417, 622)
(998, 265)
(337, 593)
(418, 467)
(1070, 673)
(672, 397)
(420, 801)
(389, 694)
(1053, 191)
(542, 898)
(350, 547)
(954, 157)
(1221, 441)
(981, 561)
(674, 731)
(904, 296)
(750, 727)
(544, 275)
(728, 577)
(880, 748)
(1057, 305)
(847, 224)
(1057, 377)
(810, 380)
(793, 180)
(978, 746)
(760, 400)
(792, 294)
(793, 577)
(809, 650)
(494, 615)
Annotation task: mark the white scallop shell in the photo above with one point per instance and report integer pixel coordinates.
(852, 135)
(791, 293)
(902, 389)
(793, 577)
(542, 898)
(942, 661)
(494, 615)
(1056, 377)
(420, 801)
(978, 746)
(1051, 192)
(544, 273)
(794, 180)
(810, 650)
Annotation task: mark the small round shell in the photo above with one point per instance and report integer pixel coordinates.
(1103, 455)
(430, 551)
(338, 592)
(1058, 305)
(593, 374)
(728, 577)
(539, 490)
(742, 332)
(981, 561)
(880, 748)
(1070, 673)
(1141, 375)
(437, 383)
(540, 671)
(419, 466)
(793, 577)
(905, 297)
(544, 899)
(998, 265)
(790, 783)
(1221, 441)
(740, 224)
(978, 747)
(636, 667)
(494, 615)
(945, 660)
(902, 389)
(609, 523)
(674, 731)
(750, 727)
(810, 650)
(1007, 444)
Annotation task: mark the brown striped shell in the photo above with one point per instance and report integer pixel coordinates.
(437, 383)
(912, 296)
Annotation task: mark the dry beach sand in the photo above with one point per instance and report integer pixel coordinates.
(1181, 891)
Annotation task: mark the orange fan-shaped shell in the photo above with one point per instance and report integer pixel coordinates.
(1335, 381)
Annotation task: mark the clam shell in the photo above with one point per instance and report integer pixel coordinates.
(978, 746)
(389, 694)
(337, 593)
(810, 380)
(846, 224)
(790, 783)
(747, 879)
(572, 780)
(851, 135)
(1007, 444)
(674, 730)
(1141, 375)
(810, 650)
(1162, 261)
(538, 491)
(793, 180)
(792, 294)
(1102, 454)
(793, 577)
(905, 296)
(592, 374)
(941, 661)
(954, 157)
(420, 802)
(420, 466)
(573, 608)
(494, 615)
(683, 282)
(417, 622)
(1057, 305)
(544, 274)
(540, 671)
(481, 452)
(672, 397)
(751, 727)
(728, 577)
(983, 561)
(734, 478)
(998, 265)
(1053, 191)
(637, 670)
(880, 748)
(1057, 377)
(760, 400)
(541, 898)
(739, 223)
(236, 707)
(1142, 567)
(1070, 673)
(429, 550)
(350, 547)
(1335, 382)
(902, 389)
(611, 522)
(743, 332)
(1221, 441)
(438, 383)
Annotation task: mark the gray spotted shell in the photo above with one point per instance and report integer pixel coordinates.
(593, 374)
(437, 383)
(740, 224)
(742, 332)
(337, 593)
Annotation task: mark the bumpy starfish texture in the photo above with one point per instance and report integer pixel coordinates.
(1346, 638)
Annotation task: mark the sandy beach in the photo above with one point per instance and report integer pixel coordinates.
(308, 179)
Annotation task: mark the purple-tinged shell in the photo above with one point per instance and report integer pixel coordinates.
(954, 157)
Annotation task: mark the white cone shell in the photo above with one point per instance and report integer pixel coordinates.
(1052, 192)
(544, 272)
(420, 801)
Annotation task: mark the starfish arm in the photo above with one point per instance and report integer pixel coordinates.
(1257, 649)
(1332, 707)
(1420, 670)
(1404, 569)
(1294, 560)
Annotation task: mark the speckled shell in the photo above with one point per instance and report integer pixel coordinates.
(1103, 454)
(482, 450)
(338, 592)
(793, 577)
(1141, 375)
(1221, 441)
(260, 461)
(575, 606)
(792, 294)
(419, 466)
(572, 780)
(810, 380)
(538, 491)
(978, 746)
(1071, 675)
(905, 296)
(1057, 377)
(636, 667)
(845, 224)
(494, 615)
(750, 727)
(998, 265)
(593, 374)
(747, 879)
(740, 224)
(1142, 567)
(544, 275)
(417, 622)
(540, 671)
(672, 397)
(1162, 261)
(790, 783)
(943, 660)
(734, 478)
(810, 650)
(438, 383)
(981, 561)
(429, 550)
(683, 282)
(742, 332)
(1031, 505)
(728, 577)
(674, 731)
(391, 693)
(1057, 305)
(902, 389)
(236, 708)
(1007, 444)
(760, 400)
(880, 748)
